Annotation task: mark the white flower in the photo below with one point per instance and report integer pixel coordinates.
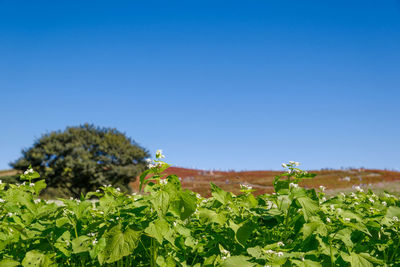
(332, 207)
(94, 241)
(198, 196)
(347, 219)
(395, 218)
(25, 172)
(10, 214)
(293, 185)
(322, 188)
(37, 201)
(280, 244)
(174, 223)
(384, 203)
(245, 187)
(2, 200)
(150, 166)
(97, 191)
(269, 251)
(118, 189)
(284, 165)
(323, 199)
(31, 184)
(1, 181)
(163, 181)
(371, 200)
(356, 203)
(280, 254)
(224, 251)
(159, 154)
(342, 194)
(296, 163)
(328, 220)
(101, 212)
(359, 189)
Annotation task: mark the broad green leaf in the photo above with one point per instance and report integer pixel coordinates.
(306, 263)
(9, 263)
(345, 236)
(220, 195)
(210, 216)
(184, 205)
(393, 212)
(120, 243)
(236, 261)
(157, 229)
(315, 227)
(244, 232)
(39, 186)
(81, 244)
(356, 260)
(35, 258)
(309, 206)
(62, 221)
(161, 202)
(256, 252)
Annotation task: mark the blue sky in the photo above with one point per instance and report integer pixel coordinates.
(215, 84)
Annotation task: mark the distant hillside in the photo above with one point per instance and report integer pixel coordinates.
(334, 180)
(199, 180)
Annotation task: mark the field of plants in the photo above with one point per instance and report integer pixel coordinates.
(166, 225)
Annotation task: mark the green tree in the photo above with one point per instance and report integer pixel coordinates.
(80, 159)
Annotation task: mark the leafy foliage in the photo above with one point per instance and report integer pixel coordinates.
(168, 226)
(80, 159)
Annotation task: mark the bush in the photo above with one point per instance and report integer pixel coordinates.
(80, 159)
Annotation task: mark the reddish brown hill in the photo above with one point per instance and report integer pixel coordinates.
(199, 180)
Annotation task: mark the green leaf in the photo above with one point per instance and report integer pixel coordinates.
(62, 221)
(120, 243)
(158, 229)
(344, 235)
(306, 263)
(161, 202)
(393, 211)
(39, 186)
(309, 206)
(142, 179)
(256, 252)
(81, 244)
(236, 261)
(244, 232)
(9, 263)
(185, 205)
(220, 195)
(315, 227)
(35, 258)
(210, 216)
(356, 260)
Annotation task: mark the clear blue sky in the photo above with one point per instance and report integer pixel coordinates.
(216, 84)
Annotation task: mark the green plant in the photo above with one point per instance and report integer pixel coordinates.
(166, 225)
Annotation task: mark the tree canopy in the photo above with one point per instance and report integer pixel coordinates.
(80, 159)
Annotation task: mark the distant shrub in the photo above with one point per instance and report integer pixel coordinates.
(80, 159)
